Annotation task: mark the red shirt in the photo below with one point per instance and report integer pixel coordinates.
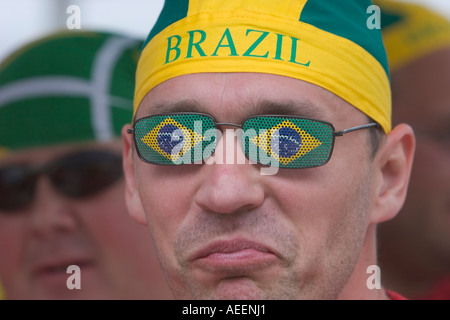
(440, 292)
(394, 295)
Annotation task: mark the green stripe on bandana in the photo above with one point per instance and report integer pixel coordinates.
(411, 31)
(67, 87)
(325, 14)
(170, 13)
(326, 43)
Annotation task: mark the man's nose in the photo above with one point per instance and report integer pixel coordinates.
(51, 211)
(229, 184)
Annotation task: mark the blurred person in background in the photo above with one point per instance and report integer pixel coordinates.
(63, 101)
(414, 248)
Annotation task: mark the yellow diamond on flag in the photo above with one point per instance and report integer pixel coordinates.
(289, 142)
(171, 139)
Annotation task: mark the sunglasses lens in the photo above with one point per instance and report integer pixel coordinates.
(174, 139)
(86, 173)
(292, 142)
(16, 188)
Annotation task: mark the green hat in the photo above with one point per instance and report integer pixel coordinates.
(328, 43)
(70, 86)
(411, 31)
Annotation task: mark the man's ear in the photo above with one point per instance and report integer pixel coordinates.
(132, 198)
(392, 165)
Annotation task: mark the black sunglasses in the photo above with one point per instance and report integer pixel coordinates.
(295, 142)
(76, 175)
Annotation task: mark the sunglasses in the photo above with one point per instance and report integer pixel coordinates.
(76, 175)
(190, 138)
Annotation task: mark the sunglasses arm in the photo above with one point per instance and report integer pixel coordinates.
(364, 126)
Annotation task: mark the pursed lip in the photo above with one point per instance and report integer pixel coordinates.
(234, 255)
(54, 267)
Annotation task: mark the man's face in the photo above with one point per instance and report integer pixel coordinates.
(224, 231)
(422, 98)
(40, 240)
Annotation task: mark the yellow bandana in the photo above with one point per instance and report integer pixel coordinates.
(327, 43)
(411, 31)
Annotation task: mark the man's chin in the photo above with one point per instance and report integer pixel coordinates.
(239, 288)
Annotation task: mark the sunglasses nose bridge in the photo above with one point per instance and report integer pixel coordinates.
(221, 124)
(229, 148)
(44, 172)
(50, 211)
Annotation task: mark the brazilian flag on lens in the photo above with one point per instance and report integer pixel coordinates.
(293, 142)
(172, 139)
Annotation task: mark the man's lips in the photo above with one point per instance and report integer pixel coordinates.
(55, 268)
(234, 255)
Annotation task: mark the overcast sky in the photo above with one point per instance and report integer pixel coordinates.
(24, 20)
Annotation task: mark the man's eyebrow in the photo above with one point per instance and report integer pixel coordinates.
(264, 107)
(180, 106)
(298, 108)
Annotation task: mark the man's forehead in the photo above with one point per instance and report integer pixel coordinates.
(244, 93)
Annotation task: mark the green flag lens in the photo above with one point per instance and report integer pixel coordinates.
(190, 138)
(172, 139)
(77, 175)
(290, 141)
